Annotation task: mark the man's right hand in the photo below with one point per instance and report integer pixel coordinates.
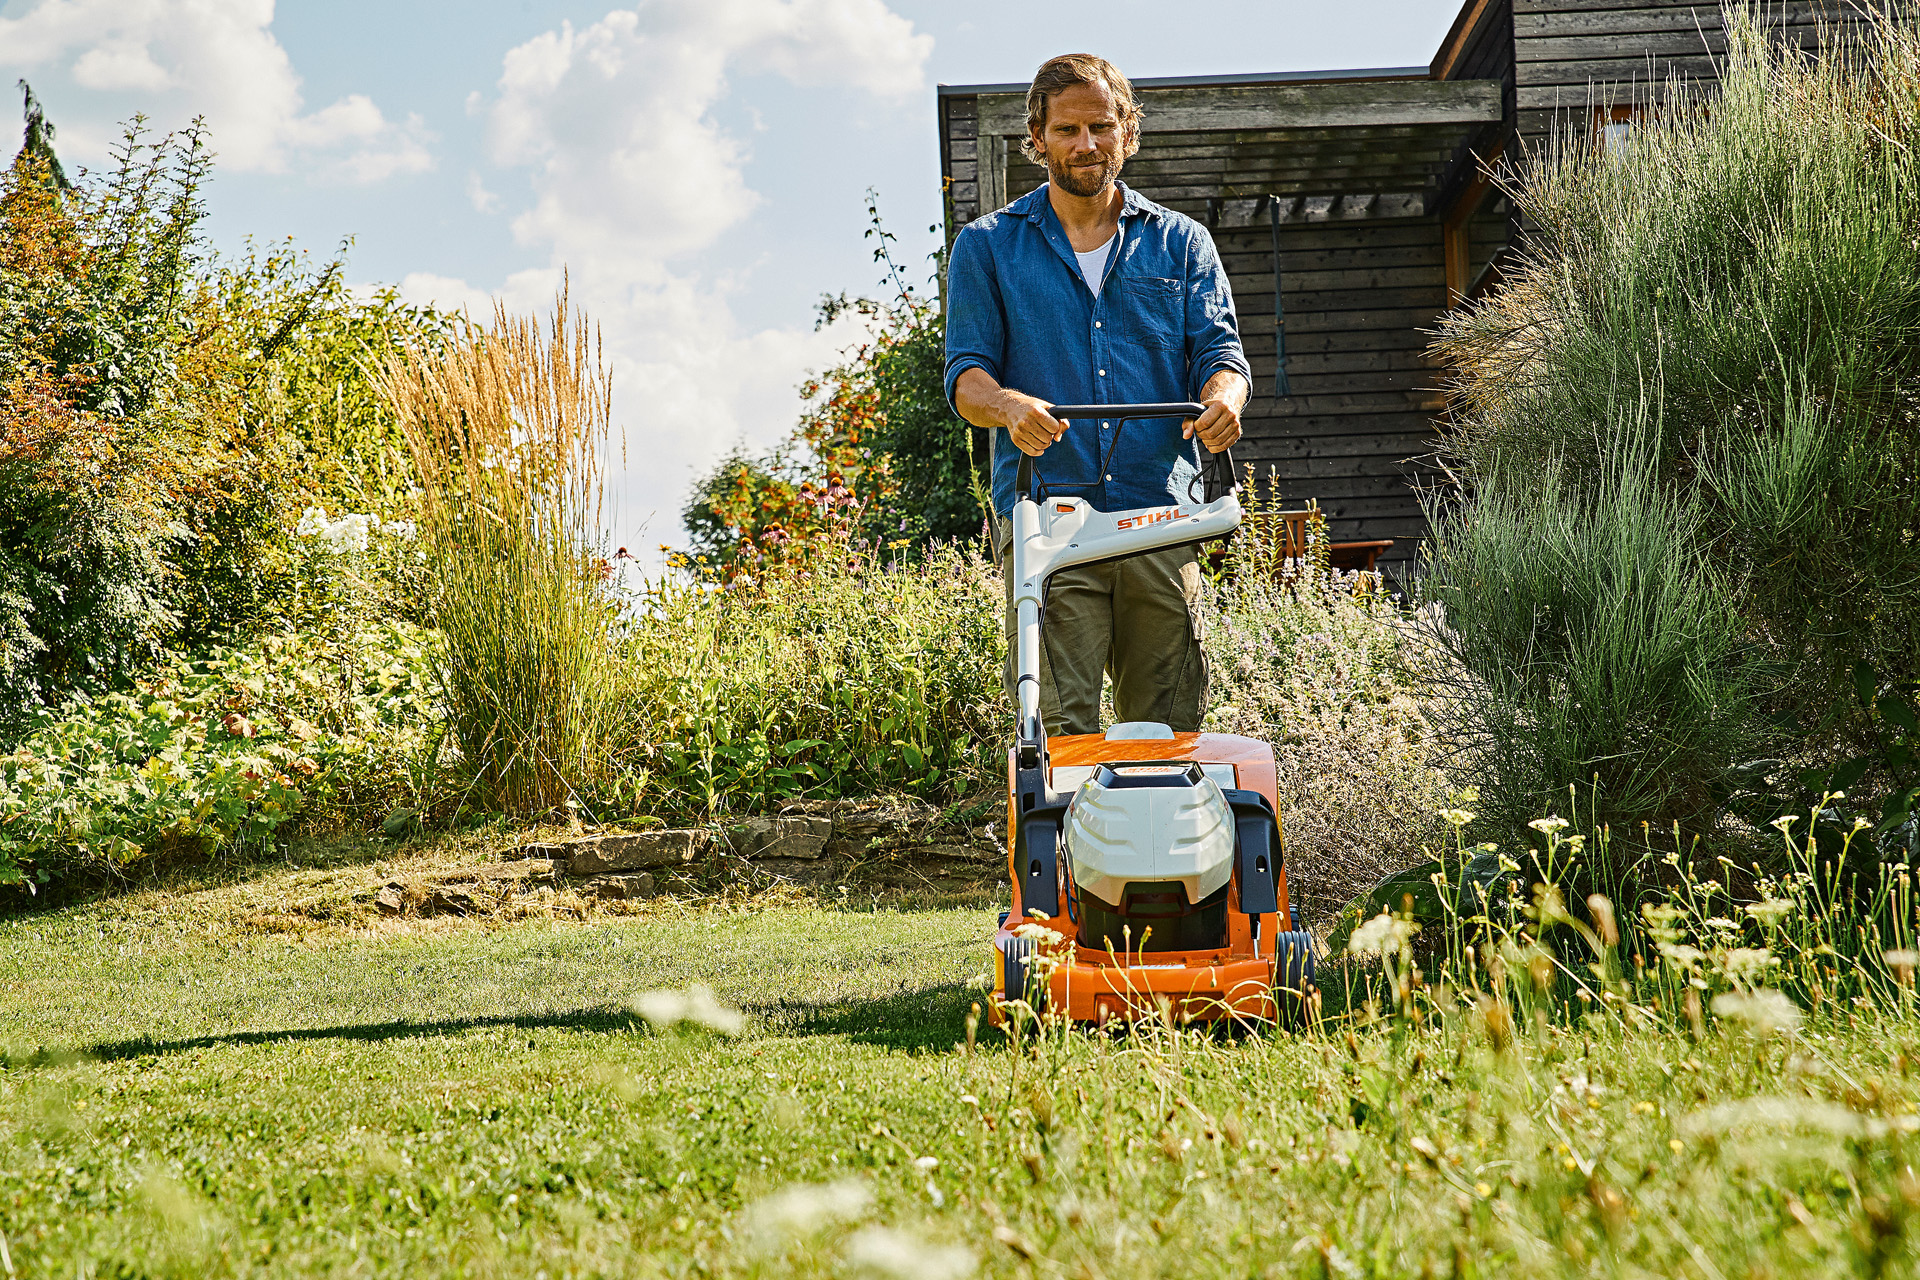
(1028, 422)
(985, 403)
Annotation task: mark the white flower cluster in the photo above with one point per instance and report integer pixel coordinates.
(352, 533)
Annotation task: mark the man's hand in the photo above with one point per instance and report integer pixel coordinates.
(985, 403)
(1217, 428)
(1028, 422)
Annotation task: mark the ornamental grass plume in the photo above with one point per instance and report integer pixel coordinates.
(508, 428)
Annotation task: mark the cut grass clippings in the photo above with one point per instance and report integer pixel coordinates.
(482, 1101)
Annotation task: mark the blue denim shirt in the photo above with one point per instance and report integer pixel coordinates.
(1163, 324)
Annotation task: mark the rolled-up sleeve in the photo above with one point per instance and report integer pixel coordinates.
(976, 321)
(1213, 331)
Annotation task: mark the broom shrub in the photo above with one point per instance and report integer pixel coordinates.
(1687, 437)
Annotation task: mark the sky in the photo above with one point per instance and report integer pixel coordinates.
(697, 168)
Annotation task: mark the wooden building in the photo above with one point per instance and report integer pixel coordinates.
(1363, 198)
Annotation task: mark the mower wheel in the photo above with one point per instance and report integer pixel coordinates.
(1019, 955)
(1293, 978)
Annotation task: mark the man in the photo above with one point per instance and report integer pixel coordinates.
(1082, 292)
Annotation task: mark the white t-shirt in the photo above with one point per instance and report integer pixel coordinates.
(1093, 264)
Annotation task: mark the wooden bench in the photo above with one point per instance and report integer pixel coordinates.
(1290, 531)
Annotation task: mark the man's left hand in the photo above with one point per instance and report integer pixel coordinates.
(1218, 428)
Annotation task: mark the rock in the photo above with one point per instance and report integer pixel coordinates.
(598, 855)
(638, 885)
(802, 836)
(452, 900)
(390, 901)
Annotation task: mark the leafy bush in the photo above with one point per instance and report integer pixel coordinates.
(1687, 437)
(878, 446)
(207, 754)
(164, 417)
(855, 676)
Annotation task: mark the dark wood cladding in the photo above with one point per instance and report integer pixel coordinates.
(1574, 57)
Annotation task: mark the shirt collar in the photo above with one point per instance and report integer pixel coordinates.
(1034, 205)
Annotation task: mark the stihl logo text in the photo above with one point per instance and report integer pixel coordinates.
(1152, 517)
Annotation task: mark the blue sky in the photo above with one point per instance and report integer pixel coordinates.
(699, 166)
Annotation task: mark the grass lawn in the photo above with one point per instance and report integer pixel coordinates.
(184, 1097)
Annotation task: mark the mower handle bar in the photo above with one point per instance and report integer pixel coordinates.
(1124, 413)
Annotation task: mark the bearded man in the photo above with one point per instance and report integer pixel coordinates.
(1083, 292)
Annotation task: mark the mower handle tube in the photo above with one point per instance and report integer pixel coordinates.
(1069, 532)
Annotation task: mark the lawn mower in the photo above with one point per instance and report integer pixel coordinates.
(1146, 865)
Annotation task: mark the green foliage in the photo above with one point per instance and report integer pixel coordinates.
(164, 417)
(877, 445)
(854, 677)
(217, 753)
(1320, 663)
(1688, 442)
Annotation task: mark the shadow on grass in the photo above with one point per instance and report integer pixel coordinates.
(600, 1020)
(925, 1018)
(921, 1018)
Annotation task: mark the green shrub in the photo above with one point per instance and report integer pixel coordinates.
(1687, 442)
(856, 676)
(164, 418)
(207, 755)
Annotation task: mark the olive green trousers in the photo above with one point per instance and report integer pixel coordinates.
(1136, 620)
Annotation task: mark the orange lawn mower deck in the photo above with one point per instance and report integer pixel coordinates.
(1261, 971)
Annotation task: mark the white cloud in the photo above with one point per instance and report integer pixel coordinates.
(630, 177)
(216, 58)
(482, 200)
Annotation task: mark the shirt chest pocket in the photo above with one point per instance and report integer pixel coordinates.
(1156, 312)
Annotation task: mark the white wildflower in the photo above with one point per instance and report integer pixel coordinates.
(1547, 826)
(1770, 912)
(1680, 955)
(1457, 817)
(1764, 1011)
(886, 1252)
(800, 1210)
(1381, 934)
(1793, 1113)
(312, 521)
(696, 1005)
(1038, 933)
(926, 1164)
(1747, 964)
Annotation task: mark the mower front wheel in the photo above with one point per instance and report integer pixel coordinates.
(1293, 979)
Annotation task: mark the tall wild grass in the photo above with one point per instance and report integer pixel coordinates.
(508, 427)
(1687, 429)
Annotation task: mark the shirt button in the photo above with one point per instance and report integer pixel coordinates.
(1109, 477)
(1103, 373)
(1096, 324)
(1105, 425)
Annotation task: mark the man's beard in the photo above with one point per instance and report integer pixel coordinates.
(1063, 177)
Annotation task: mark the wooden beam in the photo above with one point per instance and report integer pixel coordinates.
(1455, 45)
(1455, 227)
(1286, 106)
(993, 173)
